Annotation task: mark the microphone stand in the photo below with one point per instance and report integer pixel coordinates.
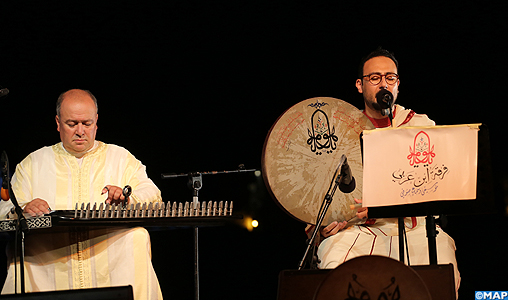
(196, 183)
(322, 213)
(389, 111)
(401, 225)
(431, 228)
(390, 114)
(21, 226)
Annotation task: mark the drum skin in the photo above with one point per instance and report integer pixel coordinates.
(302, 152)
(372, 277)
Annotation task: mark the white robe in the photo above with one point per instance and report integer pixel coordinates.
(381, 238)
(73, 258)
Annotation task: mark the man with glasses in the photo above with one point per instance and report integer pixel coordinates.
(377, 72)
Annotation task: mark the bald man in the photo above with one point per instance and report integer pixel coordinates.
(78, 170)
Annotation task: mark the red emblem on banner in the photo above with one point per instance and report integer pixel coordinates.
(422, 151)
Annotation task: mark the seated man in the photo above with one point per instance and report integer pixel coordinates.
(82, 170)
(380, 237)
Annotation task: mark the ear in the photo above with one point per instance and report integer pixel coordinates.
(57, 123)
(359, 86)
(398, 84)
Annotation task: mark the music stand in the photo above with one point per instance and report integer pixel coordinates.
(432, 206)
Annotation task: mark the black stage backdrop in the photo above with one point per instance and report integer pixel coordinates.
(196, 86)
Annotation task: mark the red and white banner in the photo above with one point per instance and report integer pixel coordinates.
(419, 164)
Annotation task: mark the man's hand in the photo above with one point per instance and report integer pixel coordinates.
(37, 207)
(362, 211)
(332, 228)
(115, 195)
(335, 226)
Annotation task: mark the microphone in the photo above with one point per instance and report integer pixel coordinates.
(4, 92)
(384, 98)
(347, 183)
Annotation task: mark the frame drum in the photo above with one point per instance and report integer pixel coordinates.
(372, 277)
(302, 152)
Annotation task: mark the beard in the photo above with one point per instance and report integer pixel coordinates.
(373, 105)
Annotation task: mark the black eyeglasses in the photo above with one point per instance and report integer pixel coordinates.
(375, 78)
